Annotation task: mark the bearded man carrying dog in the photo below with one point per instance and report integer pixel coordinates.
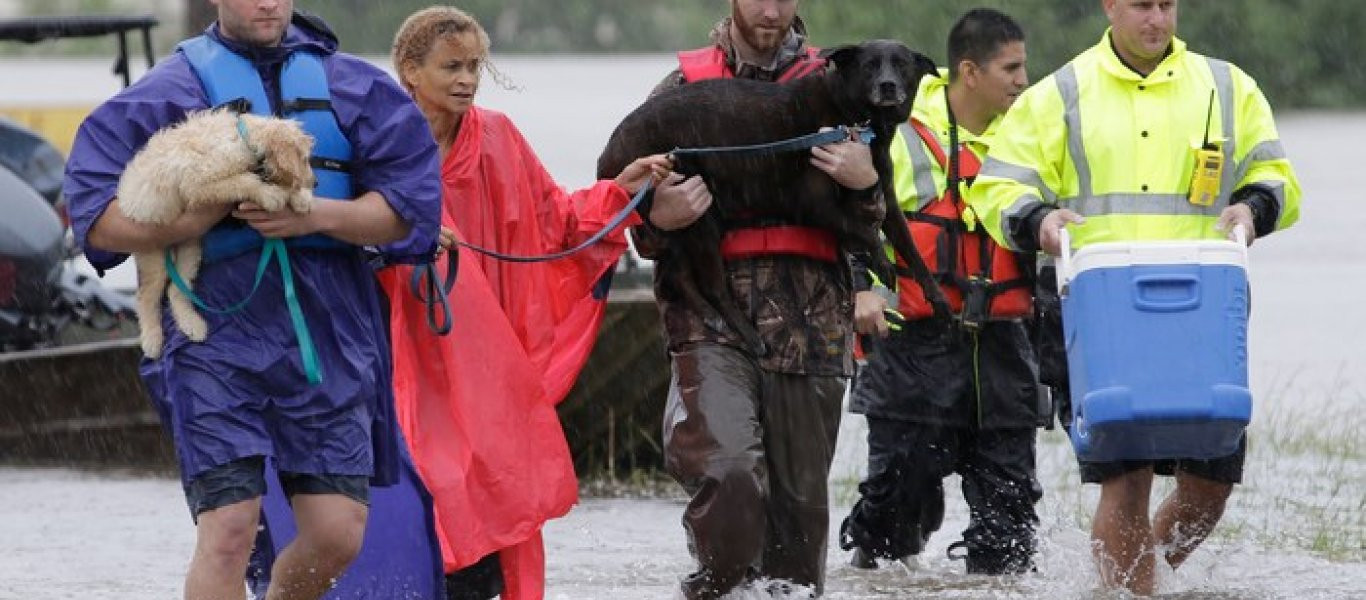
(242, 397)
(751, 437)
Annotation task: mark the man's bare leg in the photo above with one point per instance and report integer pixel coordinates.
(331, 527)
(1122, 537)
(224, 539)
(1188, 515)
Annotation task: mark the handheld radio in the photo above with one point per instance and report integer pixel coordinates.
(1209, 166)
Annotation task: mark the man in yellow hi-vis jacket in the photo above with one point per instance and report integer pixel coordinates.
(1107, 144)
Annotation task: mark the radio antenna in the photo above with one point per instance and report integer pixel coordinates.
(1209, 116)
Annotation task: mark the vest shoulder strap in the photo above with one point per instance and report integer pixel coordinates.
(804, 66)
(968, 161)
(305, 97)
(226, 77)
(703, 63)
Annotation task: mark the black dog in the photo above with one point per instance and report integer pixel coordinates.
(873, 83)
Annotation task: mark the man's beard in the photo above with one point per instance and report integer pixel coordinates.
(754, 38)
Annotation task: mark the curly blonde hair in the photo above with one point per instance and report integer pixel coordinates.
(421, 30)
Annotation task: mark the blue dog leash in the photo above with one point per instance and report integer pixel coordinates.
(273, 248)
(437, 291)
(805, 142)
(617, 219)
(434, 293)
(435, 296)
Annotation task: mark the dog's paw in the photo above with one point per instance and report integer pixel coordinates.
(151, 341)
(194, 327)
(272, 198)
(301, 201)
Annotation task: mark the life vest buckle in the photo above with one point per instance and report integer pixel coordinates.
(976, 303)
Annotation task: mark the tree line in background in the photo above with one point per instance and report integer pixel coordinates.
(1304, 53)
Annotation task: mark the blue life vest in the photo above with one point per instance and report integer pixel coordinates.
(230, 79)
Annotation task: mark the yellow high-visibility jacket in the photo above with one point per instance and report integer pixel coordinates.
(918, 178)
(1119, 149)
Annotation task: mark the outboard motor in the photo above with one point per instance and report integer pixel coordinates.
(38, 295)
(33, 159)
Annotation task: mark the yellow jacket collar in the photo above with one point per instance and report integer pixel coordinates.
(1167, 70)
(932, 109)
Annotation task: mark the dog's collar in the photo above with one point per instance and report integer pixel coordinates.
(259, 167)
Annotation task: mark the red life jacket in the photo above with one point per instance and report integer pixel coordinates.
(749, 242)
(710, 63)
(955, 255)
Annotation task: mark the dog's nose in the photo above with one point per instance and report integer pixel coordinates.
(888, 89)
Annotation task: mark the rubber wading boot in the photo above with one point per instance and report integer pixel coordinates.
(983, 562)
(862, 560)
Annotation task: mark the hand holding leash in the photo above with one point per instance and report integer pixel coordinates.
(848, 162)
(647, 169)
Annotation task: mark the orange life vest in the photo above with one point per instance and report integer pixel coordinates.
(956, 256)
(779, 238)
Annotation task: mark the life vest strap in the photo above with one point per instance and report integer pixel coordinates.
(240, 105)
(955, 225)
(302, 104)
(331, 164)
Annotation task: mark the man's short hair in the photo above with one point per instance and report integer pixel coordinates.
(979, 35)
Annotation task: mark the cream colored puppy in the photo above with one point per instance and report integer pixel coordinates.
(200, 162)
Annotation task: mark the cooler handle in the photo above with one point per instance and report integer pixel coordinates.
(1189, 284)
(1240, 237)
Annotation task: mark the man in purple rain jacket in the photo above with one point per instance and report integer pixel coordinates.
(240, 405)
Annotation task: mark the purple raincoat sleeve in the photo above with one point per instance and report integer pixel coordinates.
(109, 138)
(397, 154)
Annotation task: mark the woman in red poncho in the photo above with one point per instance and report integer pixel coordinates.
(478, 406)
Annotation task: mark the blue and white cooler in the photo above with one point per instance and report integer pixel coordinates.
(1156, 337)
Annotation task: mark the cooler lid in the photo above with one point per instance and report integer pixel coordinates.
(1174, 252)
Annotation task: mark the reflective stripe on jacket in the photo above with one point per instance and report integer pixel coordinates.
(1118, 148)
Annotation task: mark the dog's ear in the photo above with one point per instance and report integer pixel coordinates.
(287, 150)
(916, 69)
(923, 65)
(841, 56)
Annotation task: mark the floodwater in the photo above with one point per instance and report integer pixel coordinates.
(1296, 528)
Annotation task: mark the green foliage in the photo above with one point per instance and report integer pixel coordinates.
(1304, 53)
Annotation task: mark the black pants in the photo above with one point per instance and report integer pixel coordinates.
(753, 449)
(902, 501)
(482, 580)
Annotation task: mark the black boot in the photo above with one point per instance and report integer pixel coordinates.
(983, 561)
(480, 581)
(862, 560)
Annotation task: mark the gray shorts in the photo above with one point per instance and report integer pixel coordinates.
(245, 478)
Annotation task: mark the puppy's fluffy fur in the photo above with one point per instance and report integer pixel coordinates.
(200, 162)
